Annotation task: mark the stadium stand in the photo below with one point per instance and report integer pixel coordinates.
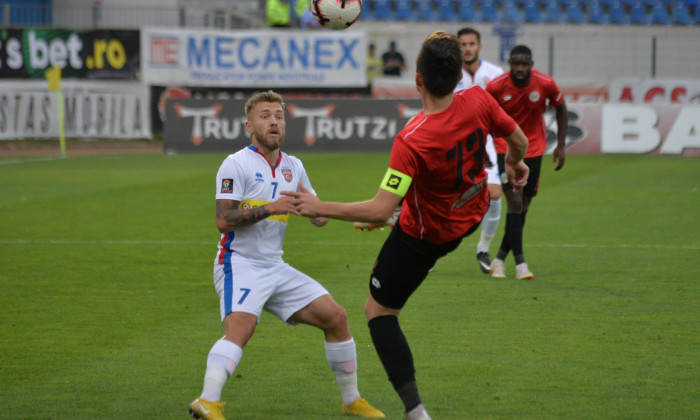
(426, 11)
(639, 15)
(447, 12)
(489, 11)
(382, 10)
(531, 12)
(37, 13)
(577, 12)
(681, 14)
(596, 14)
(511, 12)
(25, 13)
(404, 11)
(659, 15)
(553, 13)
(617, 14)
(574, 12)
(467, 12)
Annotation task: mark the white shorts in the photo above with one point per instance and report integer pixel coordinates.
(492, 172)
(247, 286)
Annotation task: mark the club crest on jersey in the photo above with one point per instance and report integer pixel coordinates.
(227, 186)
(287, 174)
(534, 96)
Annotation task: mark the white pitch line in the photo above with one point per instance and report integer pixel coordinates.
(315, 243)
(32, 160)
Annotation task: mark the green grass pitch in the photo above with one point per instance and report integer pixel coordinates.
(108, 309)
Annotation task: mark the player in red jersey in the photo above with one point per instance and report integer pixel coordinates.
(437, 165)
(524, 93)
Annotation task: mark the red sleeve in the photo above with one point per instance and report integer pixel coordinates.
(491, 89)
(502, 123)
(402, 158)
(498, 142)
(554, 94)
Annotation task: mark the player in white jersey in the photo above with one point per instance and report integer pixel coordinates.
(477, 72)
(249, 273)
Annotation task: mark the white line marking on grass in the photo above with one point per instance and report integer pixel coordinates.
(16, 161)
(52, 158)
(315, 243)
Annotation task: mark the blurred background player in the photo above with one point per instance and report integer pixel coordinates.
(374, 64)
(278, 13)
(437, 168)
(524, 93)
(393, 61)
(478, 72)
(249, 273)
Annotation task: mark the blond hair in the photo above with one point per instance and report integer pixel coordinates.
(268, 96)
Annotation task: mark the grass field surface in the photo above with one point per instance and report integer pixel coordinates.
(108, 307)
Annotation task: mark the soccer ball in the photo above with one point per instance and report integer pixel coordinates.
(336, 14)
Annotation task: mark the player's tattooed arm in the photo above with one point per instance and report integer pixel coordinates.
(230, 217)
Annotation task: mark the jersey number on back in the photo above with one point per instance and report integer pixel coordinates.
(474, 143)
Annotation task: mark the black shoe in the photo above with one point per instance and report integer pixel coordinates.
(484, 261)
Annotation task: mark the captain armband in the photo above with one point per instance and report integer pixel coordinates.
(395, 182)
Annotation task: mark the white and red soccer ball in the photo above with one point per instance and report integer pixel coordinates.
(336, 14)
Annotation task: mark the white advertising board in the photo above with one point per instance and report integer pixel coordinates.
(259, 58)
(91, 109)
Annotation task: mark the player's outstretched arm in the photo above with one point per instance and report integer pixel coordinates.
(516, 170)
(229, 216)
(376, 210)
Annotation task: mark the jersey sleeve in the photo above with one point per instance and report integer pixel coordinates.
(554, 94)
(491, 88)
(402, 168)
(230, 181)
(304, 178)
(501, 123)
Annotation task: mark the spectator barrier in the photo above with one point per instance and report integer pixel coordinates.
(371, 125)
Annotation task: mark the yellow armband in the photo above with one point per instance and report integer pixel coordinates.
(395, 182)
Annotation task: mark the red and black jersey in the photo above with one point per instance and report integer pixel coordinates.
(444, 154)
(527, 106)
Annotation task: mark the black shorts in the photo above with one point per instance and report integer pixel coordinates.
(533, 180)
(402, 265)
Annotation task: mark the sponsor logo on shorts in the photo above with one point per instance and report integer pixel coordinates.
(375, 283)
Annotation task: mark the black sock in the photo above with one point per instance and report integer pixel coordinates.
(514, 231)
(520, 258)
(504, 249)
(395, 355)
